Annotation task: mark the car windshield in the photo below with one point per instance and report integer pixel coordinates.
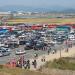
(19, 50)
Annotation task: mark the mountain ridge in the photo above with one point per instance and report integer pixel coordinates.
(36, 9)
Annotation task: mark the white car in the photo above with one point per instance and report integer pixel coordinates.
(6, 48)
(71, 37)
(18, 52)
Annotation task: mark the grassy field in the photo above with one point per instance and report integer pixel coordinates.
(43, 20)
(62, 63)
(18, 71)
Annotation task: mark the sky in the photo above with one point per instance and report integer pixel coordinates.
(39, 3)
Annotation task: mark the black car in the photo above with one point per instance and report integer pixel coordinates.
(29, 45)
(39, 45)
(13, 45)
(22, 42)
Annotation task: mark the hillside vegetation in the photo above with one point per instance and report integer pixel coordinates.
(18, 71)
(64, 64)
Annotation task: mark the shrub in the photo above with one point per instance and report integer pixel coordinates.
(1, 66)
(60, 64)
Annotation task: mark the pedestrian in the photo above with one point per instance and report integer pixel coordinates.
(34, 63)
(25, 64)
(50, 49)
(35, 55)
(43, 58)
(18, 64)
(28, 64)
(67, 50)
(44, 48)
(48, 52)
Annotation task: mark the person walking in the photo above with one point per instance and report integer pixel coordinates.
(35, 55)
(48, 52)
(25, 62)
(34, 63)
(43, 58)
(28, 64)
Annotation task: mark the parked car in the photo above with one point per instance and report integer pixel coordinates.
(13, 45)
(22, 42)
(19, 52)
(4, 52)
(6, 48)
(29, 45)
(71, 37)
(39, 45)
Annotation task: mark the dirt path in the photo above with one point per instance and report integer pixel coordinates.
(51, 57)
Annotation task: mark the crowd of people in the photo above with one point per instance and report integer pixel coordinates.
(26, 64)
(22, 63)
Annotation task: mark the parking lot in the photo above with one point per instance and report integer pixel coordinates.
(26, 43)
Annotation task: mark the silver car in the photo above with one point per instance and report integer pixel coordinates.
(4, 53)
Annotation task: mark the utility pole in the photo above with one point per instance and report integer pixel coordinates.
(60, 53)
(60, 50)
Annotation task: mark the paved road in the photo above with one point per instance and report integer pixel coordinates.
(29, 54)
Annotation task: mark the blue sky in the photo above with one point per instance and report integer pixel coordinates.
(39, 3)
